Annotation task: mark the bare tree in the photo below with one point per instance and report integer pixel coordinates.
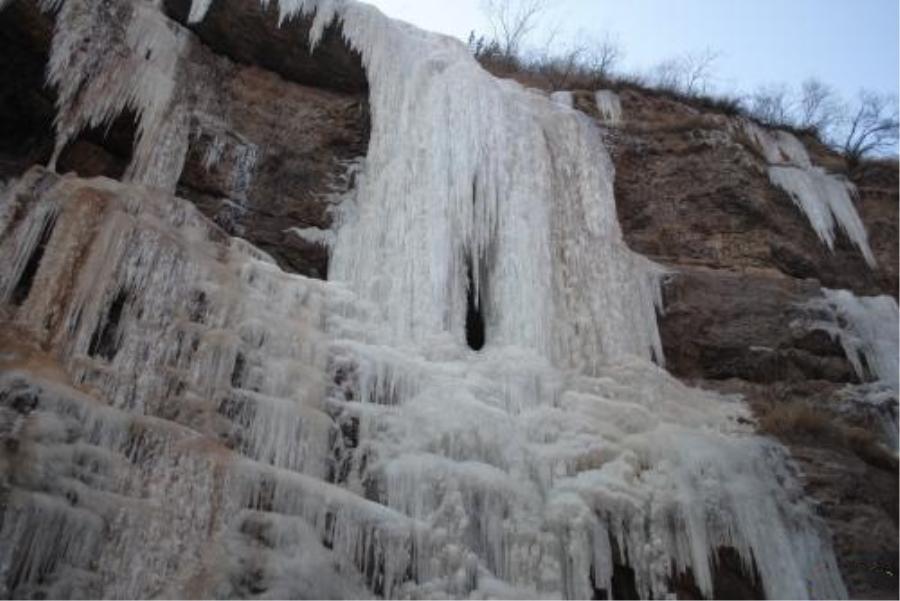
(698, 71)
(512, 21)
(818, 107)
(601, 58)
(585, 62)
(690, 73)
(667, 75)
(872, 128)
(772, 105)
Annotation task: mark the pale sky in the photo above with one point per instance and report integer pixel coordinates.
(849, 44)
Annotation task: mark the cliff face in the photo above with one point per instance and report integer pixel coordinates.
(746, 264)
(165, 385)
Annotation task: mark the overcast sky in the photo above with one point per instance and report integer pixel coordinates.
(850, 44)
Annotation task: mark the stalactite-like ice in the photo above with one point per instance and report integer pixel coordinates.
(867, 329)
(109, 57)
(825, 199)
(610, 106)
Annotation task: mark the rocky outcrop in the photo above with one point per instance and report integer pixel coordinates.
(745, 264)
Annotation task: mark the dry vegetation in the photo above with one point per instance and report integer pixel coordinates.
(860, 130)
(797, 420)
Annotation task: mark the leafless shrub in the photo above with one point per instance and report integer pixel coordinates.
(690, 74)
(819, 108)
(871, 128)
(511, 22)
(772, 105)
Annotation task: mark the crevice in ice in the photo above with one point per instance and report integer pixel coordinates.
(474, 317)
(237, 372)
(623, 582)
(105, 339)
(26, 280)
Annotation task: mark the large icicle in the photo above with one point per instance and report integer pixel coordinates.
(867, 328)
(609, 105)
(825, 199)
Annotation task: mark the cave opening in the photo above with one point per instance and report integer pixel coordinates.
(104, 150)
(474, 314)
(27, 105)
(105, 339)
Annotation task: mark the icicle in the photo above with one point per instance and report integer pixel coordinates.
(867, 329)
(824, 198)
(106, 58)
(610, 106)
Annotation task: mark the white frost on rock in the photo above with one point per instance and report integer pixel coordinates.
(826, 199)
(610, 106)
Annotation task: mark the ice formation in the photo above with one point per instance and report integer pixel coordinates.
(867, 328)
(826, 199)
(563, 98)
(340, 438)
(609, 105)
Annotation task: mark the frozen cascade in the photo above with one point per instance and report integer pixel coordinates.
(339, 439)
(609, 105)
(825, 199)
(867, 329)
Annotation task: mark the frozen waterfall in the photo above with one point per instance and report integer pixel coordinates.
(826, 199)
(340, 438)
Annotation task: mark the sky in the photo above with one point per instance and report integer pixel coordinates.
(849, 44)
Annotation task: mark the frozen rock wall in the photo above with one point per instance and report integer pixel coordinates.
(183, 418)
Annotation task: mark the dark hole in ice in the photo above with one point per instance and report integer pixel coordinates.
(105, 339)
(474, 317)
(102, 150)
(734, 580)
(26, 280)
(237, 374)
(623, 583)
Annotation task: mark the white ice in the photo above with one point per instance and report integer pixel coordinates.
(365, 437)
(610, 106)
(826, 199)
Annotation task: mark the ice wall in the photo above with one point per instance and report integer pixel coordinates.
(170, 388)
(826, 199)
